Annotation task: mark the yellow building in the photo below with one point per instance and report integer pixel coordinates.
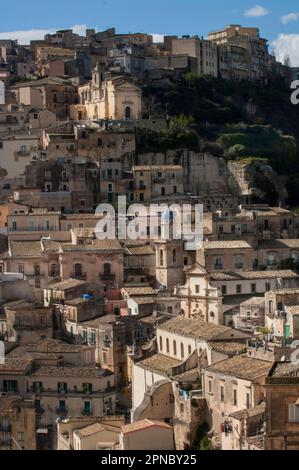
(224, 35)
(114, 98)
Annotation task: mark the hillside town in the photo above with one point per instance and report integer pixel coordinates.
(139, 342)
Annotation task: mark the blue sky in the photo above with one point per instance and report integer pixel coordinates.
(278, 21)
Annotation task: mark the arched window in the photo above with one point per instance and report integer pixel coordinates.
(128, 112)
(189, 350)
(174, 348)
(78, 270)
(167, 345)
(161, 343)
(182, 351)
(161, 258)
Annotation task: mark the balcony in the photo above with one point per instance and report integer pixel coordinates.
(86, 412)
(107, 277)
(218, 267)
(159, 180)
(62, 411)
(32, 327)
(22, 153)
(80, 277)
(5, 427)
(5, 443)
(54, 278)
(239, 266)
(37, 228)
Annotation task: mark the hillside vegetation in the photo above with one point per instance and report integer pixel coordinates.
(233, 120)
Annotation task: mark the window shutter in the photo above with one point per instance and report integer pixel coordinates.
(292, 413)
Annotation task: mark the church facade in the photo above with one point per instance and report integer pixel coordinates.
(113, 98)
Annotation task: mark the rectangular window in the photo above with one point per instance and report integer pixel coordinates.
(10, 386)
(239, 262)
(197, 289)
(21, 269)
(222, 394)
(235, 398)
(61, 405)
(268, 287)
(218, 263)
(239, 289)
(87, 388)
(253, 288)
(37, 387)
(248, 404)
(224, 290)
(294, 413)
(87, 407)
(62, 387)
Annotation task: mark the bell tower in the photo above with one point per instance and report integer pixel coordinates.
(169, 263)
(97, 76)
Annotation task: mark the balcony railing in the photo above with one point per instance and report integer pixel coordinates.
(80, 277)
(159, 180)
(218, 267)
(22, 153)
(62, 411)
(86, 412)
(37, 228)
(5, 443)
(108, 277)
(5, 427)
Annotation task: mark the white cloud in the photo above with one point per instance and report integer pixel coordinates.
(287, 45)
(290, 17)
(256, 12)
(25, 36)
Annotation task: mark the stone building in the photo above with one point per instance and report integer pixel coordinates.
(18, 431)
(89, 433)
(282, 408)
(59, 389)
(232, 385)
(204, 51)
(224, 35)
(155, 181)
(52, 93)
(168, 384)
(108, 98)
(282, 313)
(224, 255)
(28, 322)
